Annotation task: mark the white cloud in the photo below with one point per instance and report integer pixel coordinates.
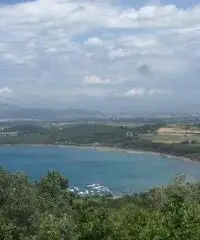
(51, 45)
(131, 41)
(135, 92)
(95, 41)
(118, 53)
(5, 90)
(141, 92)
(95, 80)
(158, 92)
(12, 58)
(62, 16)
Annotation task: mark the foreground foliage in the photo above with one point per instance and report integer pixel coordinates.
(47, 210)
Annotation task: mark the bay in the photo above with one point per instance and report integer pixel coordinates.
(120, 172)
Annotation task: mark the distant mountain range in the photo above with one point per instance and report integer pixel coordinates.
(10, 111)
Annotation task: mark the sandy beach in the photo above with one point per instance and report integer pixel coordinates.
(129, 151)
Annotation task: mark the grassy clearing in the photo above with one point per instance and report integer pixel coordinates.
(125, 124)
(171, 138)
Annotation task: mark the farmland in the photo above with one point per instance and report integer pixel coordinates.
(174, 134)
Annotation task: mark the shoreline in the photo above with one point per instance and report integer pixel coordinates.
(111, 149)
(131, 151)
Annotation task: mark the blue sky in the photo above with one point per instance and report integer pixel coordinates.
(139, 3)
(110, 55)
(131, 3)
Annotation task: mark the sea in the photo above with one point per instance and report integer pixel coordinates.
(92, 172)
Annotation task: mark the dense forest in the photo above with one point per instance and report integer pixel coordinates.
(47, 210)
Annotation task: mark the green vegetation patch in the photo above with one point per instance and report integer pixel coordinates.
(47, 210)
(171, 138)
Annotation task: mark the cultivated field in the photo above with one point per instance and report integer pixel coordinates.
(177, 131)
(171, 138)
(174, 135)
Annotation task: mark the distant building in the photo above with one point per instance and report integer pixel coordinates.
(129, 134)
(96, 144)
(6, 134)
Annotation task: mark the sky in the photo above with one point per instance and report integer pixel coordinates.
(108, 55)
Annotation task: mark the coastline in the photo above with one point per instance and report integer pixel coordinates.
(111, 149)
(130, 151)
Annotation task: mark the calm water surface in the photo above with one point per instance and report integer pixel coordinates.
(121, 172)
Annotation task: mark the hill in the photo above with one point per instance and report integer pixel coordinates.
(10, 111)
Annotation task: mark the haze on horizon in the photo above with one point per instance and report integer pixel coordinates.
(109, 55)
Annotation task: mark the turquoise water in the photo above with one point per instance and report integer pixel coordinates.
(121, 172)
